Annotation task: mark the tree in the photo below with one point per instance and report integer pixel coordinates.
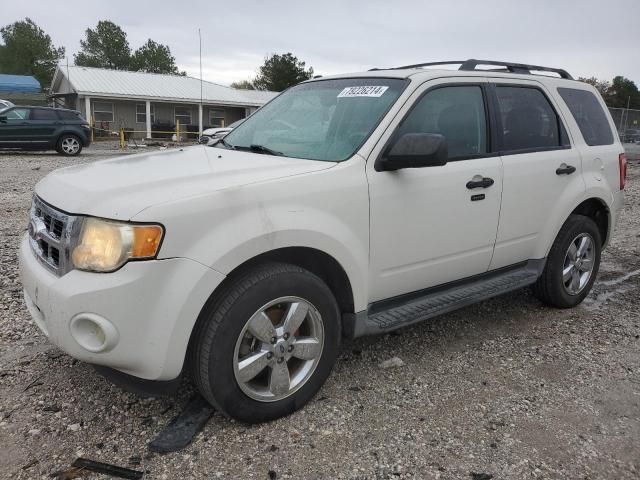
(603, 86)
(105, 47)
(280, 72)
(622, 91)
(154, 57)
(28, 50)
(243, 85)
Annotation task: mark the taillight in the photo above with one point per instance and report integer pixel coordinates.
(622, 162)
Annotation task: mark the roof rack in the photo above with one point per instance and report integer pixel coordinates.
(471, 64)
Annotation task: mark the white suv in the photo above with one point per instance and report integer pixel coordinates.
(347, 206)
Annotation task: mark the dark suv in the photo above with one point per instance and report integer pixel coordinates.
(43, 128)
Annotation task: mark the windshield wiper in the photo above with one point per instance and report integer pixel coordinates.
(262, 149)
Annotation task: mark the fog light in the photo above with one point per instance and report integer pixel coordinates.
(93, 332)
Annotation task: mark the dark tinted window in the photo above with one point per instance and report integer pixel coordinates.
(528, 119)
(589, 116)
(66, 115)
(43, 114)
(458, 113)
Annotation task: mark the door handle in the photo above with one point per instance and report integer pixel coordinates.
(484, 182)
(565, 169)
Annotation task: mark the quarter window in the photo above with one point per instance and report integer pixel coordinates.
(103, 111)
(183, 114)
(457, 113)
(67, 115)
(141, 113)
(528, 119)
(589, 116)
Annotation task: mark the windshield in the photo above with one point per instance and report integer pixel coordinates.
(322, 120)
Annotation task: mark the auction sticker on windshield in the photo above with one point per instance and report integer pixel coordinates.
(363, 91)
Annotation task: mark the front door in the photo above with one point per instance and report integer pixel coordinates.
(14, 126)
(430, 226)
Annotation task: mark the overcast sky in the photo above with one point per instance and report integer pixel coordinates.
(587, 37)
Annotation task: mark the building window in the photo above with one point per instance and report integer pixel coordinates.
(141, 113)
(216, 118)
(183, 114)
(102, 112)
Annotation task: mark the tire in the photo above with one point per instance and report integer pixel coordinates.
(224, 331)
(69, 145)
(551, 288)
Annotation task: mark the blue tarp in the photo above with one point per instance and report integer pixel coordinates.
(19, 84)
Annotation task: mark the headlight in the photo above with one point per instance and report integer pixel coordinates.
(104, 246)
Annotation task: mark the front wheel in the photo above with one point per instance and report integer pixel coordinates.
(265, 345)
(572, 264)
(69, 145)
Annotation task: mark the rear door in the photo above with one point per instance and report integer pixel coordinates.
(433, 225)
(14, 127)
(43, 124)
(542, 170)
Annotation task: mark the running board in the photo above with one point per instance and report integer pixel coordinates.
(408, 309)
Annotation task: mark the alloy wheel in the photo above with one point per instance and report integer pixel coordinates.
(578, 264)
(278, 349)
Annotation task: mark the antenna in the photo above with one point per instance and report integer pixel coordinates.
(200, 113)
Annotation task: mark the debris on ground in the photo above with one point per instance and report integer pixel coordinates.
(392, 363)
(82, 466)
(182, 429)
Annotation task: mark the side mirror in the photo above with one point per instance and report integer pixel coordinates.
(414, 150)
(3, 118)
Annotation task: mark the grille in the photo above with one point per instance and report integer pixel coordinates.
(49, 236)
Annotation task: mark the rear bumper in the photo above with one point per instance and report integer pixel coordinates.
(137, 320)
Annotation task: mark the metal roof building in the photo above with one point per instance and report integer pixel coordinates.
(140, 101)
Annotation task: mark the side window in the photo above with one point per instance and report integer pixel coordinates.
(457, 113)
(43, 114)
(17, 114)
(528, 119)
(68, 115)
(589, 116)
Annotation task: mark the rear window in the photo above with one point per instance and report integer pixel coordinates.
(589, 116)
(66, 115)
(529, 121)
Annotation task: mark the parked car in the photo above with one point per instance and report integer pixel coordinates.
(349, 205)
(219, 132)
(5, 103)
(43, 128)
(631, 135)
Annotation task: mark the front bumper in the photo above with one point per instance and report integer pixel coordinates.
(146, 310)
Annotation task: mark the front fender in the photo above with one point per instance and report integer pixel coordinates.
(327, 210)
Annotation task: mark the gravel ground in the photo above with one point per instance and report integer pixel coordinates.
(504, 389)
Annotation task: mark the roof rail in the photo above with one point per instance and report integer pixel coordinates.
(472, 64)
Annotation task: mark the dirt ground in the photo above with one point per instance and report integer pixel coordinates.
(506, 389)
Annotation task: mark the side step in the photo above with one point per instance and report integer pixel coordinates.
(412, 308)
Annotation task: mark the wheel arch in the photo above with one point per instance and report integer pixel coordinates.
(596, 209)
(316, 261)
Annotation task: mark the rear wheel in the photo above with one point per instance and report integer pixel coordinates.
(572, 264)
(69, 145)
(266, 344)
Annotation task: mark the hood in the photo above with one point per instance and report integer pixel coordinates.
(121, 187)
